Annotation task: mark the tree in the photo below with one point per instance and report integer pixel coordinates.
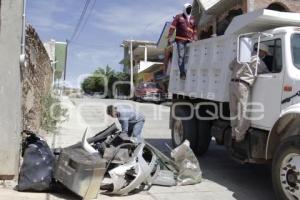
(102, 76)
(107, 71)
(93, 84)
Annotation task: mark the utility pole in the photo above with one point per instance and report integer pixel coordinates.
(66, 59)
(131, 68)
(65, 69)
(53, 65)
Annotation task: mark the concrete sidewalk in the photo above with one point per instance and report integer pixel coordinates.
(206, 191)
(156, 131)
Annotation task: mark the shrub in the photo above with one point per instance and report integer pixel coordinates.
(52, 113)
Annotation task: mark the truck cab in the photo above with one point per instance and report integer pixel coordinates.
(200, 108)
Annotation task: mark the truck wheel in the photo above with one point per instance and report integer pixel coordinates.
(184, 130)
(204, 136)
(286, 169)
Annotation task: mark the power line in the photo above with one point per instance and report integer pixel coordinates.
(86, 19)
(87, 2)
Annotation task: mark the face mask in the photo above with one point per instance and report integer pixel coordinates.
(188, 10)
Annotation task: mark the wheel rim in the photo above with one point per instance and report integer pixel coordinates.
(178, 132)
(290, 176)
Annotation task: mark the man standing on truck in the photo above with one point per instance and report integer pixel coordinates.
(186, 31)
(242, 80)
(132, 122)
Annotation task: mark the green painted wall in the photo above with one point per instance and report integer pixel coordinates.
(60, 57)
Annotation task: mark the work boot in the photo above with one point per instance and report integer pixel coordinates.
(182, 76)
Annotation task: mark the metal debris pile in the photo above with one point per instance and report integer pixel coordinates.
(110, 162)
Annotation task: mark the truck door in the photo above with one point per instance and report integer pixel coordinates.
(267, 90)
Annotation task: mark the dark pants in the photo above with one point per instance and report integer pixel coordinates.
(181, 49)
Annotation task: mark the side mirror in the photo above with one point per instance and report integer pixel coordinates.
(244, 49)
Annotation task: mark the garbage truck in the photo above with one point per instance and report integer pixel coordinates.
(200, 106)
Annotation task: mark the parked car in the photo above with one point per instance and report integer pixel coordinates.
(149, 91)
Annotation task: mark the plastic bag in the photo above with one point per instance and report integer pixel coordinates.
(37, 168)
(189, 168)
(164, 178)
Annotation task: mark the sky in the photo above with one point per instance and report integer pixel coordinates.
(107, 23)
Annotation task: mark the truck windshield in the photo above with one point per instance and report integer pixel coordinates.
(296, 49)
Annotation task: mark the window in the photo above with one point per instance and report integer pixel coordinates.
(296, 50)
(278, 7)
(274, 58)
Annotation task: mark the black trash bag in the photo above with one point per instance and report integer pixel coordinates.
(38, 165)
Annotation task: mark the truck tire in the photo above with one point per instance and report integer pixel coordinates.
(184, 130)
(286, 169)
(204, 136)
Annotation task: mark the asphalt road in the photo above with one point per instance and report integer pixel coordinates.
(242, 182)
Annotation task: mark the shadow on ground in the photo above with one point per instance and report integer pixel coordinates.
(63, 193)
(247, 182)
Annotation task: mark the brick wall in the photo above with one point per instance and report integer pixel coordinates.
(36, 80)
(206, 31)
(291, 5)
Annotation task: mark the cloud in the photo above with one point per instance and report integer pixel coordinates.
(43, 14)
(86, 60)
(133, 20)
(49, 24)
(99, 57)
(93, 55)
(109, 24)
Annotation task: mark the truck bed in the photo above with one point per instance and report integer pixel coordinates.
(208, 60)
(207, 69)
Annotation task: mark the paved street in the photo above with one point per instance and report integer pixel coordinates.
(223, 178)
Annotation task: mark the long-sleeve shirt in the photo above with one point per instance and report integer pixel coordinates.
(128, 116)
(247, 73)
(186, 29)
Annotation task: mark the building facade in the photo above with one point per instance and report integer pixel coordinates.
(57, 52)
(214, 16)
(147, 60)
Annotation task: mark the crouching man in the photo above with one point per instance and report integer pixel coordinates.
(132, 122)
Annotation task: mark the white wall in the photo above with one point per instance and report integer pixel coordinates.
(10, 101)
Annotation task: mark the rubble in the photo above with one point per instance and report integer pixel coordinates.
(136, 171)
(80, 171)
(126, 166)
